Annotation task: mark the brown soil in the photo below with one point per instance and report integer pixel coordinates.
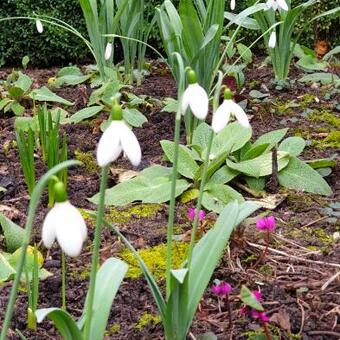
(292, 288)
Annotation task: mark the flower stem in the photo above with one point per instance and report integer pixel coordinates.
(199, 202)
(95, 255)
(63, 281)
(170, 229)
(35, 198)
(229, 311)
(266, 330)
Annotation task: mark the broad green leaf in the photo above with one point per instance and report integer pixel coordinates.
(272, 138)
(334, 51)
(255, 151)
(293, 145)
(17, 108)
(258, 95)
(16, 92)
(24, 82)
(4, 102)
(256, 184)
(245, 52)
(13, 234)
(260, 166)
(134, 117)
(86, 113)
(217, 196)
(109, 277)
(71, 75)
(170, 105)
(46, 95)
(310, 63)
(187, 166)
(300, 176)
(323, 78)
(62, 320)
(223, 175)
(6, 270)
(249, 299)
(141, 188)
(201, 135)
(230, 139)
(207, 336)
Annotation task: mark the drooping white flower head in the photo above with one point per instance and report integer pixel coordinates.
(39, 26)
(222, 115)
(65, 224)
(117, 138)
(277, 4)
(232, 4)
(108, 51)
(195, 97)
(272, 40)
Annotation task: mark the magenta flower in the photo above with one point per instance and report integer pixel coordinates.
(259, 315)
(191, 214)
(266, 223)
(257, 295)
(222, 289)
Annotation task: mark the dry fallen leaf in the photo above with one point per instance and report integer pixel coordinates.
(271, 201)
(282, 319)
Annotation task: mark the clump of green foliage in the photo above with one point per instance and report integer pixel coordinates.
(155, 259)
(326, 117)
(332, 141)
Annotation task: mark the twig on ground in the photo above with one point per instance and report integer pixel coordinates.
(302, 315)
(293, 257)
(324, 333)
(315, 221)
(328, 282)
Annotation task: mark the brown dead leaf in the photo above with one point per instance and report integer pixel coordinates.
(282, 319)
(270, 201)
(10, 212)
(123, 174)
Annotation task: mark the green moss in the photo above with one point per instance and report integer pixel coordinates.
(266, 270)
(88, 160)
(148, 319)
(123, 215)
(137, 211)
(114, 329)
(325, 117)
(155, 259)
(332, 141)
(283, 107)
(306, 100)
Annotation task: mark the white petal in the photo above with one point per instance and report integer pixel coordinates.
(269, 4)
(221, 117)
(108, 51)
(240, 115)
(49, 226)
(232, 4)
(39, 26)
(272, 40)
(130, 145)
(198, 101)
(185, 100)
(71, 230)
(282, 4)
(109, 147)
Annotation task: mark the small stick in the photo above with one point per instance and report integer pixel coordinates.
(266, 331)
(316, 221)
(328, 282)
(336, 265)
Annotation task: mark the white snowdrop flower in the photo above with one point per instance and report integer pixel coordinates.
(195, 97)
(117, 138)
(222, 115)
(272, 40)
(65, 224)
(277, 4)
(108, 51)
(232, 4)
(39, 26)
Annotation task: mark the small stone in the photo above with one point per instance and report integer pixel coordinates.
(336, 236)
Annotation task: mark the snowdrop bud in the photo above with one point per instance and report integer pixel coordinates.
(108, 51)
(65, 224)
(116, 139)
(272, 40)
(39, 26)
(232, 5)
(195, 97)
